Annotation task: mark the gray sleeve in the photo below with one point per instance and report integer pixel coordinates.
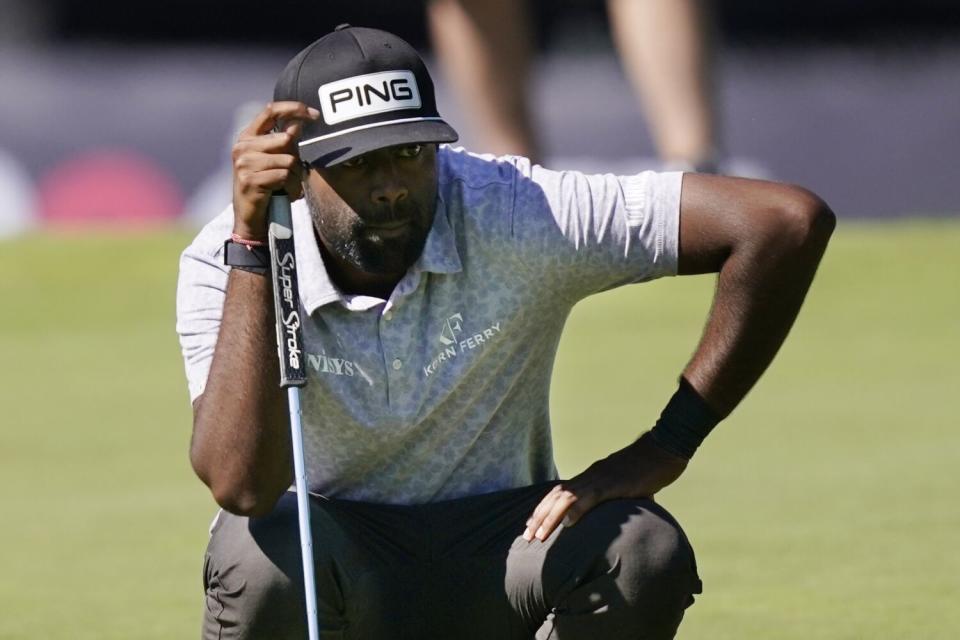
(201, 288)
(580, 234)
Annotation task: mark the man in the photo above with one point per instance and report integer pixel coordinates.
(435, 285)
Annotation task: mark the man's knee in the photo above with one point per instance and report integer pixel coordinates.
(253, 577)
(625, 570)
(658, 569)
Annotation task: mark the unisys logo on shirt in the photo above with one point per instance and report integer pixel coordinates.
(368, 95)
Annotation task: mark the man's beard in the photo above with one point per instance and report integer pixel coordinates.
(349, 237)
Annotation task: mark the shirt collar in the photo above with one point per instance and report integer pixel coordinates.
(439, 255)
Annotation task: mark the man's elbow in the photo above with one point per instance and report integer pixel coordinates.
(237, 493)
(804, 222)
(252, 504)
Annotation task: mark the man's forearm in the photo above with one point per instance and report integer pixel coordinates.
(241, 444)
(760, 289)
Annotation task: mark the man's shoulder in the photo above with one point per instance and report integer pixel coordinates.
(206, 249)
(209, 240)
(479, 190)
(479, 170)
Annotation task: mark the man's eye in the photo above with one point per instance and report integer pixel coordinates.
(410, 151)
(353, 163)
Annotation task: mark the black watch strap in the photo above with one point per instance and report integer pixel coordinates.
(247, 258)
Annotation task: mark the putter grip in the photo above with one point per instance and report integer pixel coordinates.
(286, 294)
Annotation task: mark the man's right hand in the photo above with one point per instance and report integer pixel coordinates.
(264, 161)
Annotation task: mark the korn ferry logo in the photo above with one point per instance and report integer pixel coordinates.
(455, 342)
(368, 95)
(451, 327)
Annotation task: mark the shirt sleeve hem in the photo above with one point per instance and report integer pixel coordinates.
(654, 199)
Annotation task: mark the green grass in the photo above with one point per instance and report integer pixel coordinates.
(825, 507)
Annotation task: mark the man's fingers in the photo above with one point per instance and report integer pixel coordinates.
(541, 510)
(265, 121)
(274, 112)
(274, 142)
(257, 172)
(265, 159)
(551, 512)
(545, 503)
(561, 504)
(265, 181)
(292, 128)
(261, 160)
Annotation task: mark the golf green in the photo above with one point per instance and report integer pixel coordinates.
(824, 507)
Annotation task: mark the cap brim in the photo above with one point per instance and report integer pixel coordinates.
(340, 148)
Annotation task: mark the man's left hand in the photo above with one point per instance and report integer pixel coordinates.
(636, 471)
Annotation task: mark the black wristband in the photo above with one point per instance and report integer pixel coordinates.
(684, 423)
(246, 258)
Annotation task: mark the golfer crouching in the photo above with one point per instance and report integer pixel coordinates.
(434, 287)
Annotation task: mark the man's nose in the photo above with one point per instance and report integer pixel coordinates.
(389, 191)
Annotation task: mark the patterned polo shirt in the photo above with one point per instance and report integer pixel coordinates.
(442, 390)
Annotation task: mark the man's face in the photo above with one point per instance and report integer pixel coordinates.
(374, 212)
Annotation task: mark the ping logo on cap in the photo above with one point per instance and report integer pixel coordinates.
(368, 95)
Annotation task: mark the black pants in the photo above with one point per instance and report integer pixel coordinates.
(454, 569)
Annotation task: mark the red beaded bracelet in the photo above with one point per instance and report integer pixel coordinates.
(249, 244)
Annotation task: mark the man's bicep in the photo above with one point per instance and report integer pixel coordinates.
(717, 213)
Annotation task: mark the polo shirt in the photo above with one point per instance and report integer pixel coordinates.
(442, 391)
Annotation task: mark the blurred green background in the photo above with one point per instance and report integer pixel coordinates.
(824, 507)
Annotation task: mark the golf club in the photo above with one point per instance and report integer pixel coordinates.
(286, 303)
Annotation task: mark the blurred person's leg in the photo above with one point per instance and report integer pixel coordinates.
(17, 197)
(665, 48)
(485, 47)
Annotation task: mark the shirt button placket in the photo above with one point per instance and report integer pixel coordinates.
(390, 339)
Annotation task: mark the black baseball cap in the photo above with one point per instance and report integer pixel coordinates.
(372, 90)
